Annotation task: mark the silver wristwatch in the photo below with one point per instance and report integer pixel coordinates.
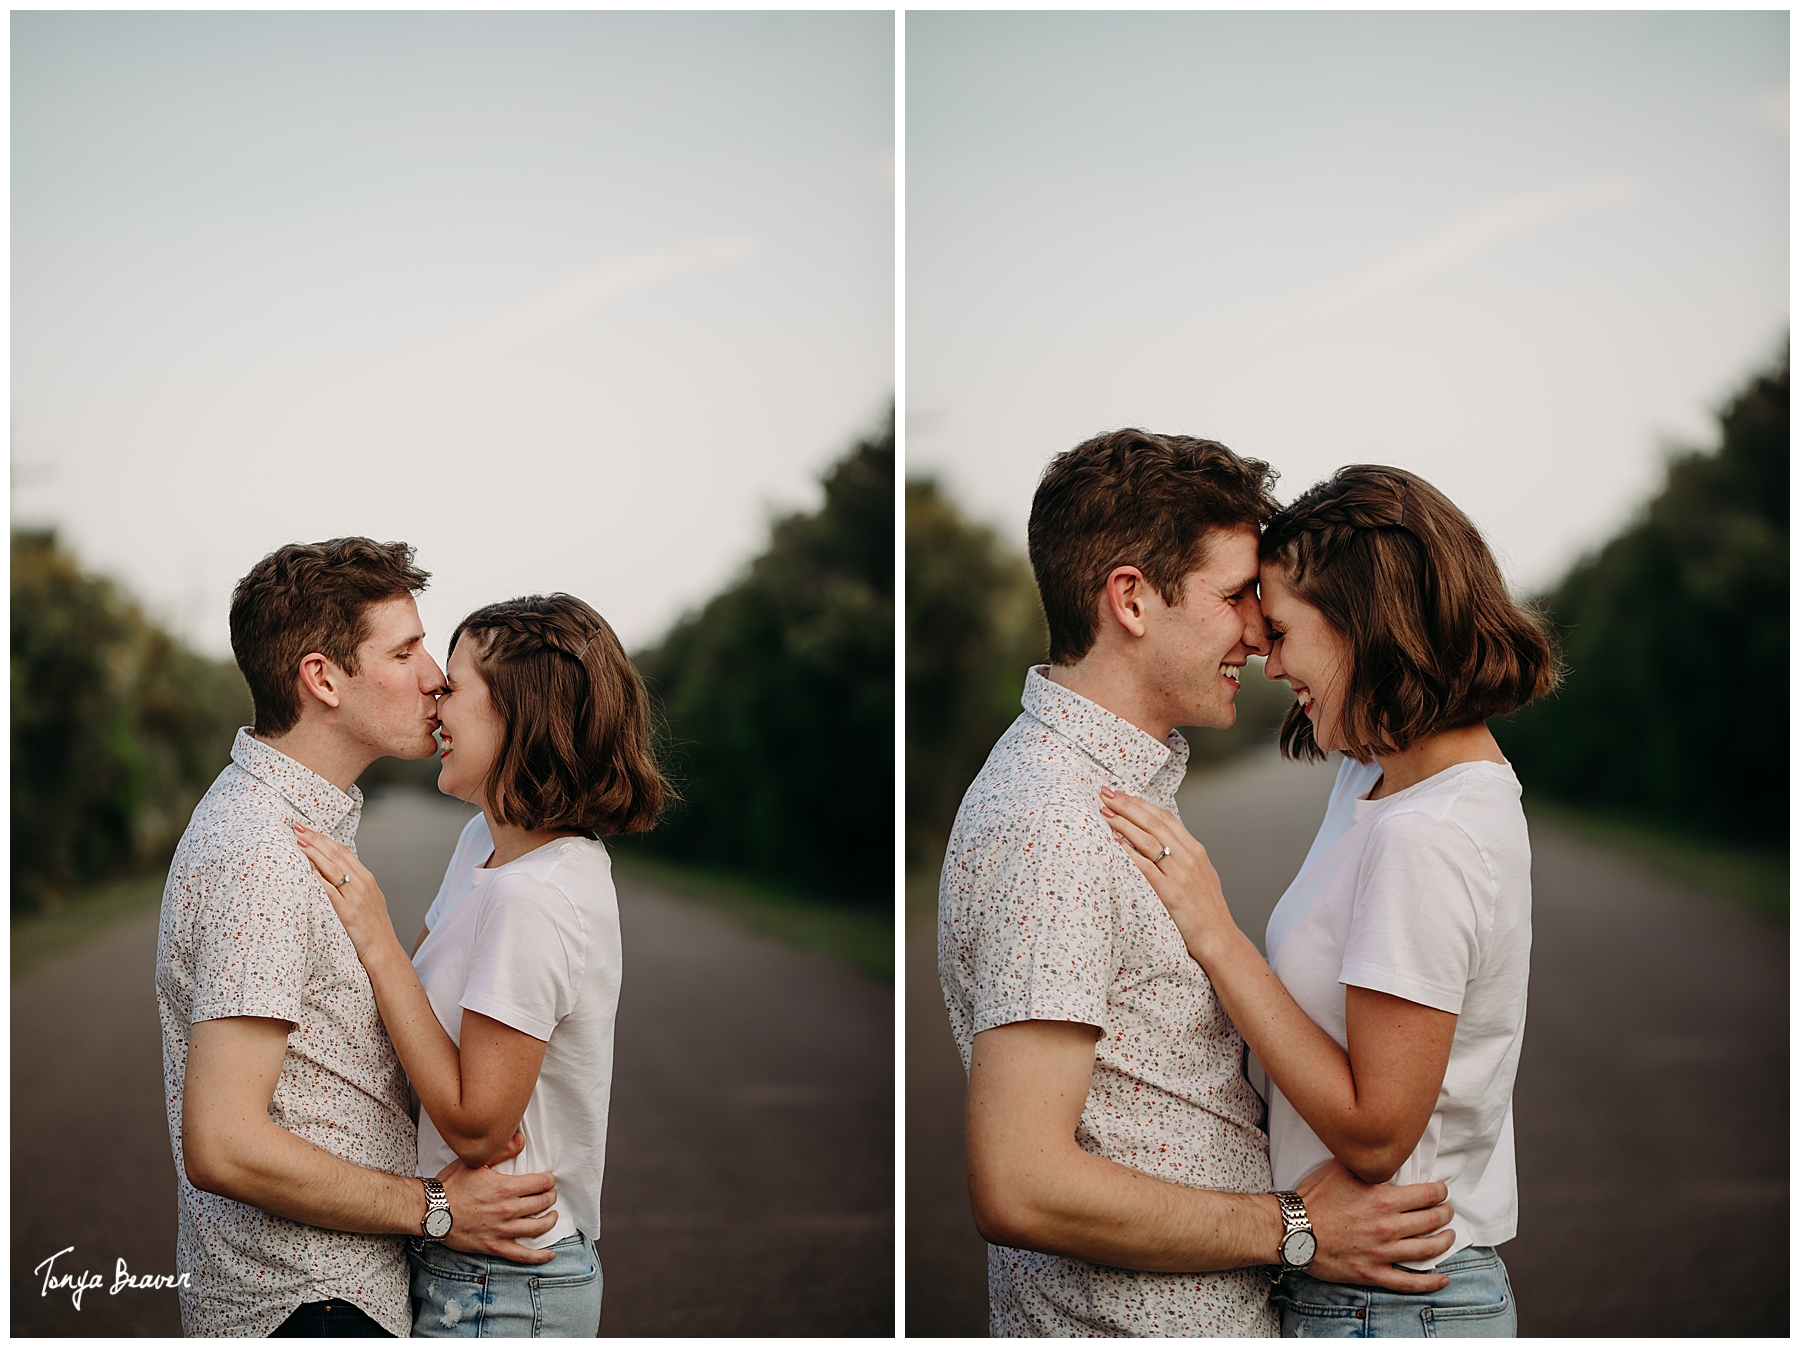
(1298, 1243)
(436, 1224)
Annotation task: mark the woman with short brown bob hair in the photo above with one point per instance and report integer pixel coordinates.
(1436, 642)
(1391, 1009)
(575, 750)
(503, 1016)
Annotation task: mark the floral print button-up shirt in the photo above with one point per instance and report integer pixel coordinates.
(1043, 916)
(247, 930)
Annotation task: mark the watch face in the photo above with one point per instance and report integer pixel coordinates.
(437, 1223)
(1299, 1247)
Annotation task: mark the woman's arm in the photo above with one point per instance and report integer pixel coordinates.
(475, 1096)
(1370, 1105)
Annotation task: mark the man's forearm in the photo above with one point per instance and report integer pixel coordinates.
(1032, 1187)
(270, 1168)
(1086, 1207)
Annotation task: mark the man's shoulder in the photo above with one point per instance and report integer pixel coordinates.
(237, 801)
(1033, 770)
(239, 829)
(1035, 806)
(1036, 816)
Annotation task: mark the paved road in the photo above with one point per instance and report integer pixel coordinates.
(1651, 1106)
(749, 1184)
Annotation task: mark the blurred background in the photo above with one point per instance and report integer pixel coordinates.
(592, 302)
(1542, 261)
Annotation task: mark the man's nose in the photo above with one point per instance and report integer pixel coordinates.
(431, 678)
(1256, 632)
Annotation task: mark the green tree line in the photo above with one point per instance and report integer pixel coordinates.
(117, 728)
(973, 627)
(1644, 723)
(779, 699)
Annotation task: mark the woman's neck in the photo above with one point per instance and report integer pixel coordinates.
(512, 842)
(1434, 753)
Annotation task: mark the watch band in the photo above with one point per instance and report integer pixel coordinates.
(1293, 1218)
(437, 1199)
(1293, 1211)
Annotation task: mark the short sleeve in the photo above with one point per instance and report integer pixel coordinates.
(1424, 898)
(530, 955)
(1039, 944)
(252, 940)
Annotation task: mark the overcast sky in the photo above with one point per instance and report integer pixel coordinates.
(1519, 253)
(569, 301)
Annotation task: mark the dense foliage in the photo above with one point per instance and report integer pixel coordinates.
(117, 728)
(973, 628)
(779, 696)
(1700, 579)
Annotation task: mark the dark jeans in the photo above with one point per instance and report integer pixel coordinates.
(334, 1319)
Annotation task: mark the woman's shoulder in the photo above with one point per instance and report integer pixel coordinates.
(1469, 807)
(1478, 784)
(571, 873)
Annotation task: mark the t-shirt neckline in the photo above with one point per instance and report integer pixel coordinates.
(1364, 804)
(482, 868)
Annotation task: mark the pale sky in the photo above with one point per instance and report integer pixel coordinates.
(567, 300)
(1521, 254)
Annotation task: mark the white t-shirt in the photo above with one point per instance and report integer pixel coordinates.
(1424, 894)
(535, 945)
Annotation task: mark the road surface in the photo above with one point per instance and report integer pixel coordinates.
(749, 1184)
(1651, 1106)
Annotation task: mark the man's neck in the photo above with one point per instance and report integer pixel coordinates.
(1106, 684)
(319, 749)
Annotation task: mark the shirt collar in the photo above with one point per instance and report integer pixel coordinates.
(1127, 753)
(324, 806)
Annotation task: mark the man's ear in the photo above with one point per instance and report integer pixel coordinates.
(1127, 592)
(321, 678)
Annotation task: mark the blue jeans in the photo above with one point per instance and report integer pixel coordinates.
(1478, 1303)
(470, 1296)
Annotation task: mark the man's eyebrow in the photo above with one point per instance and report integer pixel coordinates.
(413, 640)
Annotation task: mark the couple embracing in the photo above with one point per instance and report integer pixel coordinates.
(301, 1041)
(1128, 1177)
